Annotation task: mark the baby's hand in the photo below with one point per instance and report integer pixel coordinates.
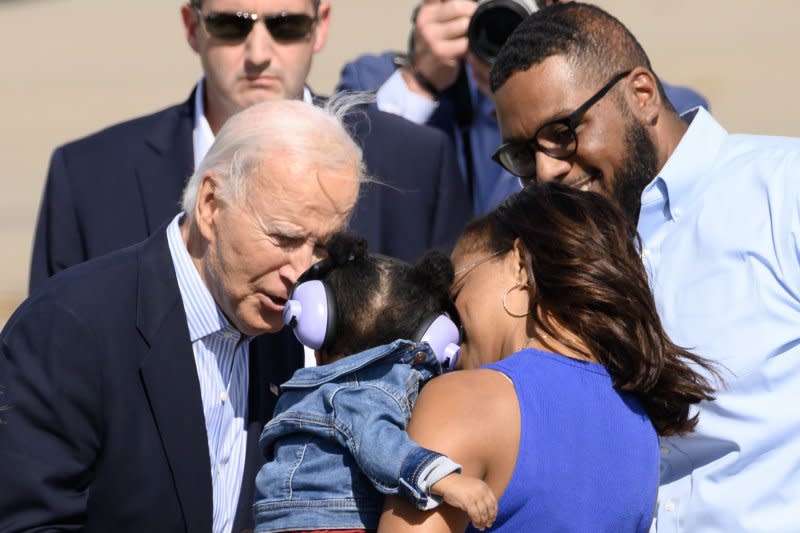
(470, 495)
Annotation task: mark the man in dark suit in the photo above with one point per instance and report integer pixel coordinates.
(132, 404)
(114, 188)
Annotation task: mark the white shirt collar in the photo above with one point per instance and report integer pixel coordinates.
(202, 136)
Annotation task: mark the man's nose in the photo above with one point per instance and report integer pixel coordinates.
(298, 261)
(259, 45)
(549, 168)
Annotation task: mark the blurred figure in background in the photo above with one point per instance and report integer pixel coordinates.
(116, 187)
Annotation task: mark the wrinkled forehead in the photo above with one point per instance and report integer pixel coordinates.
(315, 191)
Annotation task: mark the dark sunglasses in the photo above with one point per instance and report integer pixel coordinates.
(235, 26)
(558, 139)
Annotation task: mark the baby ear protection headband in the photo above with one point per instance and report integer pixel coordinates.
(443, 336)
(311, 313)
(310, 310)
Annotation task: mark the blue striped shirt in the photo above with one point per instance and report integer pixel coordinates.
(221, 356)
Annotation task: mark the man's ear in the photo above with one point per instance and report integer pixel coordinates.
(191, 25)
(644, 97)
(207, 207)
(322, 26)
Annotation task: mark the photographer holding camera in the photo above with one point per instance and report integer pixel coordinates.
(442, 80)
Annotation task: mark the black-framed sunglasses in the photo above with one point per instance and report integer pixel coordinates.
(235, 26)
(557, 139)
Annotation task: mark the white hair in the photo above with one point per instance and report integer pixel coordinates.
(290, 129)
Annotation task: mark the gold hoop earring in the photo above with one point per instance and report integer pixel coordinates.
(505, 304)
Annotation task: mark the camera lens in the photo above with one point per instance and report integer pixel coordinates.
(493, 22)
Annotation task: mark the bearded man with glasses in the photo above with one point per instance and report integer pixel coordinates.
(719, 219)
(116, 187)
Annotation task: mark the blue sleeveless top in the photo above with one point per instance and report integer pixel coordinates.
(588, 455)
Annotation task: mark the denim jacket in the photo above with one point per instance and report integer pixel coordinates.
(338, 440)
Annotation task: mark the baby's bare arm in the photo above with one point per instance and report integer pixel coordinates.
(469, 494)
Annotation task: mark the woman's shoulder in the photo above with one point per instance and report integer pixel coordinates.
(468, 415)
(459, 398)
(473, 384)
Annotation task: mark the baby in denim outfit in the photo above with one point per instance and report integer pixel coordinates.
(338, 443)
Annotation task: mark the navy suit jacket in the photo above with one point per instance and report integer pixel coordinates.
(103, 428)
(114, 188)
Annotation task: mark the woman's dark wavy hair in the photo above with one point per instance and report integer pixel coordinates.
(586, 275)
(379, 299)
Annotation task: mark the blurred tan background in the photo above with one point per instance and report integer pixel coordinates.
(70, 67)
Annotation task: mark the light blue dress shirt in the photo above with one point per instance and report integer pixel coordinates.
(721, 241)
(221, 356)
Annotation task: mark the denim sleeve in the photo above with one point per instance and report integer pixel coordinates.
(371, 424)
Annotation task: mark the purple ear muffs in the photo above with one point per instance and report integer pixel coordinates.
(309, 313)
(443, 336)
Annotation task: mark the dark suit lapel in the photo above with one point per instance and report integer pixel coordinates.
(366, 217)
(273, 360)
(170, 379)
(166, 162)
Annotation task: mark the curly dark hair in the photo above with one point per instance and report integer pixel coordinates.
(586, 275)
(379, 299)
(596, 45)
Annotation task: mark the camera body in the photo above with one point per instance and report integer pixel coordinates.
(492, 24)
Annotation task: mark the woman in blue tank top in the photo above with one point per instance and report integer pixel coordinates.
(569, 377)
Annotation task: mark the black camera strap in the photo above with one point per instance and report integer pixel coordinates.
(464, 114)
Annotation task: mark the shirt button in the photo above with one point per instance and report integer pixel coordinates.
(228, 334)
(664, 450)
(669, 506)
(677, 212)
(223, 397)
(419, 357)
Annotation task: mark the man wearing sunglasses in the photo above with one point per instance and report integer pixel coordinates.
(719, 219)
(114, 188)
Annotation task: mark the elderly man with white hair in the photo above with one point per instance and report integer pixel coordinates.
(115, 187)
(138, 383)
